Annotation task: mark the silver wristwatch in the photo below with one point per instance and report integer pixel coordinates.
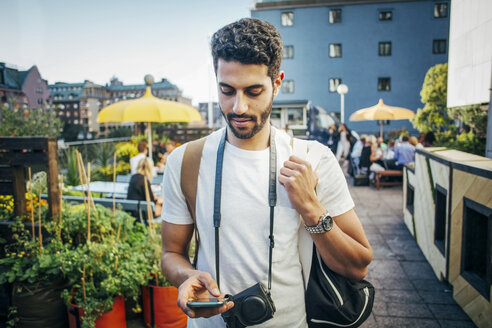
(325, 224)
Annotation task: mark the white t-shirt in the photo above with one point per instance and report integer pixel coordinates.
(245, 223)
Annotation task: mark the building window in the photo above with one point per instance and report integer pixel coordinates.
(384, 84)
(334, 83)
(476, 257)
(288, 86)
(40, 101)
(440, 218)
(441, 10)
(439, 46)
(288, 52)
(335, 16)
(385, 48)
(385, 15)
(287, 19)
(335, 50)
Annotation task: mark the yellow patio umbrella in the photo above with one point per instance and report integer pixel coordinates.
(381, 112)
(148, 109)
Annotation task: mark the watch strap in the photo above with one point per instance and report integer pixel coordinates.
(320, 227)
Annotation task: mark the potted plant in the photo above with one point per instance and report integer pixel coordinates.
(104, 263)
(32, 266)
(159, 296)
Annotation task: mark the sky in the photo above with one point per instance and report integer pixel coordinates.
(73, 40)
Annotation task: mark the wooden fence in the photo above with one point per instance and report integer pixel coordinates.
(17, 153)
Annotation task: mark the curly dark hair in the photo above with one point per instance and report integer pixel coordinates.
(249, 41)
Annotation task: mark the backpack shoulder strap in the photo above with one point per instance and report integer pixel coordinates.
(190, 167)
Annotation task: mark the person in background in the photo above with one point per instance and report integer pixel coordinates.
(332, 138)
(142, 153)
(429, 139)
(381, 144)
(288, 130)
(136, 188)
(421, 137)
(356, 153)
(413, 140)
(343, 148)
(169, 146)
(376, 152)
(404, 153)
(376, 158)
(159, 150)
(390, 150)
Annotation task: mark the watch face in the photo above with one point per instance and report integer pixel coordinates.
(327, 223)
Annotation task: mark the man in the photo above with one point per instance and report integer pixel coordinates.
(332, 138)
(404, 153)
(356, 153)
(142, 153)
(247, 56)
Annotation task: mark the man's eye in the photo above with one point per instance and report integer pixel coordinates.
(255, 92)
(226, 91)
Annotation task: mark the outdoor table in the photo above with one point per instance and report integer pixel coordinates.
(119, 188)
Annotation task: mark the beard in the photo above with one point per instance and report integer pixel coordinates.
(259, 122)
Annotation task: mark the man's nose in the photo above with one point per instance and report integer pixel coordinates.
(240, 104)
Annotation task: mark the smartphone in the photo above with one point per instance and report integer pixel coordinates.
(211, 302)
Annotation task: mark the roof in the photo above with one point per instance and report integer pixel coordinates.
(67, 91)
(12, 78)
(9, 78)
(290, 103)
(62, 92)
(273, 4)
(163, 84)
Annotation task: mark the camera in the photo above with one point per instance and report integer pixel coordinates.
(252, 306)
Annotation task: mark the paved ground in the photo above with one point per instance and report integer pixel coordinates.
(408, 294)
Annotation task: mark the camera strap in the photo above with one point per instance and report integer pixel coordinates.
(272, 200)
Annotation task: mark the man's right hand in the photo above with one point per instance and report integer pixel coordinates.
(200, 285)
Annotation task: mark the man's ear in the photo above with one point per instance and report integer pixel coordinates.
(278, 82)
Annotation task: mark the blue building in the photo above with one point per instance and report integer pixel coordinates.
(379, 49)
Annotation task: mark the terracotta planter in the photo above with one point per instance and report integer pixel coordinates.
(161, 309)
(111, 319)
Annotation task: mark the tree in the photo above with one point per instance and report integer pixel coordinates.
(16, 121)
(474, 116)
(434, 116)
(71, 131)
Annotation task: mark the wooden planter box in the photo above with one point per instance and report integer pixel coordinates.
(448, 210)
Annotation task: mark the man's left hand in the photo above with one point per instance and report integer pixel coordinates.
(299, 180)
